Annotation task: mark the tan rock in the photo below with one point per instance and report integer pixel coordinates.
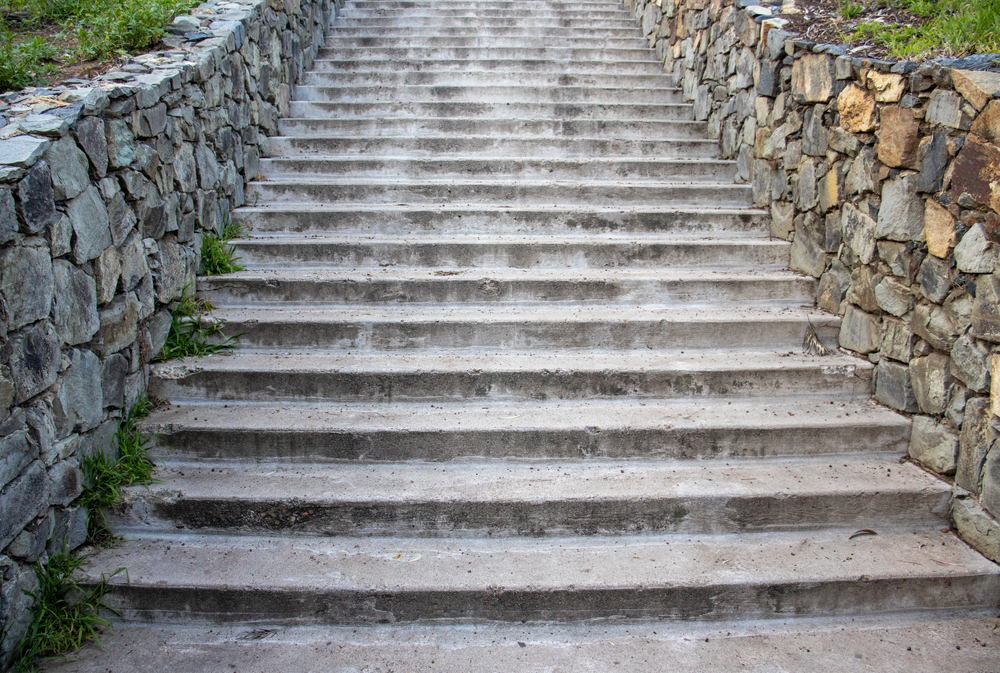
(995, 384)
(857, 109)
(812, 81)
(976, 87)
(939, 229)
(888, 88)
(987, 124)
(899, 137)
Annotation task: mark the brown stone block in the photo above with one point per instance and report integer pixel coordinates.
(976, 171)
(939, 229)
(857, 109)
(812, 81)
(899, 137)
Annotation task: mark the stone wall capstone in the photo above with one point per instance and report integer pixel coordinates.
(107, 187)
(885, 177)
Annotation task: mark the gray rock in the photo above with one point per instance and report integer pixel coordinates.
(893, 297)
(176, 270)
(159, 328)
(990, 496)
(43, 430)
(986, 309)
(859, 232)
(834, 234)
(90, 136)
(74, 307)
(901, 217)
(208, 167)
(862, 290)
(932, 381)
(107, 270)
(185, 170)
(44, 125)
(8, 216)
(808, 253)
(956, 408)
(30, 544)
(22, 500)
(69, 530)
(113, 380)
(36, 206)
(91, 225)
(65, 482)
(77, 404)
(808, 193)
(833, 287)
(122, 219)
(60, 235)
(207, 210)
(16, 453)
(769, 82)
(969, 363)
(933, 324)
(976, 526)
(152, 121)
(893, 387)
(121, 143)
(814, 135)
(133, 262)
(933, 162)
(6, 393)
(69, 168)
(945, 108)
(22, 151)
(843, 141)
(119, 324)
(974, 442)
(934, 445)
(859, 331)
(936, 276)
(26, 284)
(861, 177)
(974, 253)
(763, 180)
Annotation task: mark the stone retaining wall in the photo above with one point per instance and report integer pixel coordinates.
(886, 179)
(106, 190)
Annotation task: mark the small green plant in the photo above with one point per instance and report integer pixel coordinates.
(65, 615)
(110, 27)
(190, 335)
(955, 28)
(849, 10)
(22, 63)
(105, 478)
(217, 255)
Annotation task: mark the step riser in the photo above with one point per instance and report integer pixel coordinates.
(484, 30)
(472, 221)
(487, 94)
(483, 79)
(501, 17)
(569, 55)
(497, 518)
(529, 255)
(573, 68)
(348, 444)
(703, 602)
(519, 194)
(241, 291)
(634, 334)
(631, 130)
(518, 40)
(500, 147)
(498, 385)
(495, 111)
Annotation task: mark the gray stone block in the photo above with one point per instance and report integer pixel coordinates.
(893, 297)
(113, 374)
(859, 331)
(185, 170)
(122, 219)
(26, 283)
(78, 401)
(893, 387)
(22, 151)
(8, 215)
(974, 253)
(986, 309)
(69, 530)
(74, 307)
(30, 544)
(60, 236)
(36, 205)
(121, 143)
(990, 496)
(133, 262)
(119, 324)
(33, 357)
(976, 527)
(107, 271)
(969, 363)
(974, 442)
(208, 167)
(176, 269)
(934, 160)
(89, 217)
(152, 121)
(861, 176)
(814, 134)
(16, 453)
(90, 135)
(65, 482)
(933, 324)
(69, 167)
(934, 445)
(945, 108)
(859, 232)
(932, 381)
(22, 500)
(808, 253)
(159, 328)
(935, 276)
(901, 216)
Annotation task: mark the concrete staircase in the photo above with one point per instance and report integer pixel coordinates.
(515, 347)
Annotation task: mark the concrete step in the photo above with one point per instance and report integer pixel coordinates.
(718, 429)
(495, 111)
(510, 192)
(496, 65)
(394, 6)
(493, 326)
(550, 147)
(484, 30)
(428, 15)
(445, 220)
(538, 499)
(402, 376)
(401, 77)
(633, 129)
(522, 39)
(663, 287)
(394, 580)
(514, 252)
(568, 54)
(487, 94)
(911, 642)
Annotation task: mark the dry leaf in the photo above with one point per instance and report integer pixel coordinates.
(863, 531)
(811, 343)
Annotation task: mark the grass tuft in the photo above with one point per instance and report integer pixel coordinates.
(106, 478)
(189, 335)
(217, 256)
(23, 63)
(849, 10)
(956, 28)
(65, 615)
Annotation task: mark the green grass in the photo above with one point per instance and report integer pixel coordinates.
(849, 10)
(188, 337)
(65, 615)
(23, 63)
(217, 255)
(956, 28)
(105, 479)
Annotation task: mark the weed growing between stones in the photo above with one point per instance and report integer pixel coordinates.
(105, 478)
(189, 336)
(217, 256)
(65, 615)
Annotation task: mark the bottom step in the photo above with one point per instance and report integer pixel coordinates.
(917, 643)
(312, 580)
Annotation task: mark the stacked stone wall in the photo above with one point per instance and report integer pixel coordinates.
(107, 187)
(885, 177)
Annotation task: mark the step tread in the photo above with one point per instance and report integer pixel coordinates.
(362, 274)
